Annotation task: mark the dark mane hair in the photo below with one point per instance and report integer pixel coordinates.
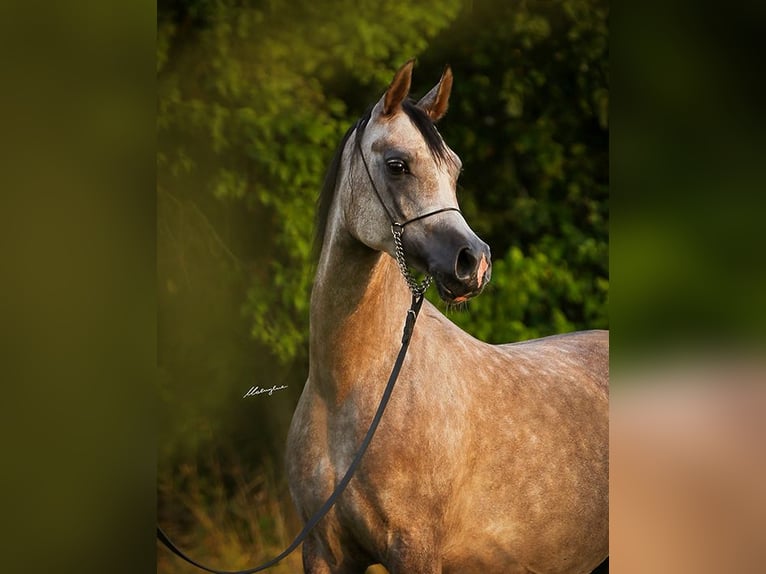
(422, 123)
(330, 184)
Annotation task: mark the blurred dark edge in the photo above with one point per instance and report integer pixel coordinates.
(78, 294)
(687, 179)
(687, 273)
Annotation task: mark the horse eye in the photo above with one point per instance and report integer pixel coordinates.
(396, 166)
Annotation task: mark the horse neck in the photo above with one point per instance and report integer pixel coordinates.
(358, 306)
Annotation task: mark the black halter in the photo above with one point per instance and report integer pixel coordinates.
(397, 228)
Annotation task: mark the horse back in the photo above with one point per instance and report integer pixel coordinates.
(584, 352)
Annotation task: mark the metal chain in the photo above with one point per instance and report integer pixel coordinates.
(417, 289)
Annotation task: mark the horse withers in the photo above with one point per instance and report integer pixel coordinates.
(490, 458)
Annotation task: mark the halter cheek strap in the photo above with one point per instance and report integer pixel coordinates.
(397, 229)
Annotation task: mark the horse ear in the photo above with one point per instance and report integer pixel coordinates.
(435, 102)
(399, 88)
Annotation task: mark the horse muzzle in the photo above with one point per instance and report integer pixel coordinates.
(448, 250)
(468, 274)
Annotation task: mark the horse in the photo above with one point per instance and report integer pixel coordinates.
(490, 458)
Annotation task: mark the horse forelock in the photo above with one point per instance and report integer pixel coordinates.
(427, 128)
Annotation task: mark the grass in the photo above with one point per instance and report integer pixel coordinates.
(227, 517)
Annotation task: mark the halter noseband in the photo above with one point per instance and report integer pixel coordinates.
(417, 289)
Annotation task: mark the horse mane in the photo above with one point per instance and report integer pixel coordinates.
(422, 123)
(330, 184)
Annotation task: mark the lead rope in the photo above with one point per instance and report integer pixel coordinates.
(418, 290)
(409, 325)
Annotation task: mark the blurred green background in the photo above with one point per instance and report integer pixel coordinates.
(253, 98)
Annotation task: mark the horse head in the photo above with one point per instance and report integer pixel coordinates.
(403, 183)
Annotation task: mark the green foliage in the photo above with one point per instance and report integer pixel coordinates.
(248, 114)
(529, 120)
(254, 97)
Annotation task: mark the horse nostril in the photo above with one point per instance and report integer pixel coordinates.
(465, 264)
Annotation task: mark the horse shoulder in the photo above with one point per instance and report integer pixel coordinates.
(308, 469)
